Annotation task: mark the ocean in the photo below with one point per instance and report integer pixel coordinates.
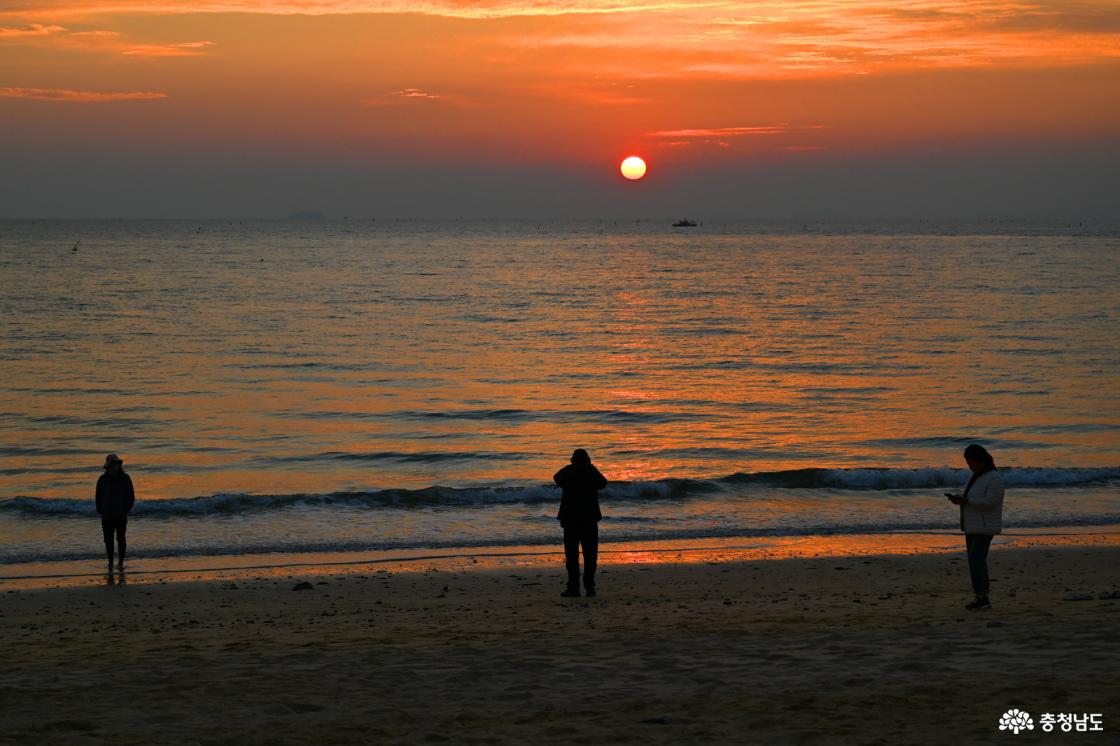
(288, 388)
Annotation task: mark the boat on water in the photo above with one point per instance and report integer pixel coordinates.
(684, 223)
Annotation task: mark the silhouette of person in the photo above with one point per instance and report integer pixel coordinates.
(114, 499)
(580, 515)
(981, 518)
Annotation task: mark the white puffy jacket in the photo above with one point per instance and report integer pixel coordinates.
(982, 512)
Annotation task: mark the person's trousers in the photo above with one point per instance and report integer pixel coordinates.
(977, 547)
(109, 527)
(587, 536)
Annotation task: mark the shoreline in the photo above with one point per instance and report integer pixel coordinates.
(656, 551)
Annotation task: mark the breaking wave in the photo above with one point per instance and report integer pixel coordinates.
(740, 485)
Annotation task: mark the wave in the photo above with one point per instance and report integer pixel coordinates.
(223, 504)
(513, 415)
(734, 486)
(927, 478)
(422, 457)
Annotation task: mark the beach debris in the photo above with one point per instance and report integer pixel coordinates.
(303, 586)
(1078, 597)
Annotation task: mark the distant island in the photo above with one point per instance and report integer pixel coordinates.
(306, 215)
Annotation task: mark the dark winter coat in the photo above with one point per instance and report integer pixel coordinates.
(115, 496)
(579, 502)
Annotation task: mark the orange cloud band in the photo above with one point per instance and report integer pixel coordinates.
(450, 8)
(715, 39)
(720, 132)
(68, 95)
(34, 29)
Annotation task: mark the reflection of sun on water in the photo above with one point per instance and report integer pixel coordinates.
(633, 168)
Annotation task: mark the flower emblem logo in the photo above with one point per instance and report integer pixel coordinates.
(1016, 720)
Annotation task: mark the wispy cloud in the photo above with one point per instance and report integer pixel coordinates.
(417, 93)
(754, 138)
(184, 49)
(100, 41)
(477, 9)
(720, 132)
(72, 96)
(34, 29)
(800, 38)
(691, 39)
(405, 96)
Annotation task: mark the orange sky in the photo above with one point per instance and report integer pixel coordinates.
(567, 82)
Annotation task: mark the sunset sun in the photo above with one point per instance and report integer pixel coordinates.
(633, 168)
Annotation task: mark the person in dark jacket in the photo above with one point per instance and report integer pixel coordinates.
(114, 498)
(580, 515)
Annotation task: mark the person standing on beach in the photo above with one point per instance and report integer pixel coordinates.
(580, 515)
(981, 518)
(114, 499)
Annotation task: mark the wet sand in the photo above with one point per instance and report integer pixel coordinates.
(832, 649)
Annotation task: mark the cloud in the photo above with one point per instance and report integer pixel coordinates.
(183, 49)
(417, 93)
(739, 139)
(720, 132)
(34, 29)
(803, 38)
(404, 96)
(101, 40)
(68, 95)
(692, 39)
(724, 138)
(477, 9)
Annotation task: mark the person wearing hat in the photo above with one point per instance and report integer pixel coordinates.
(115, 498)
(580, 515)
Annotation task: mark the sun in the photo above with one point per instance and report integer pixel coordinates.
(633, 168)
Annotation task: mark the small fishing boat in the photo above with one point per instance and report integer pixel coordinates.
(684, 223)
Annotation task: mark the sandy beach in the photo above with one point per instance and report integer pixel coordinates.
(832, 649)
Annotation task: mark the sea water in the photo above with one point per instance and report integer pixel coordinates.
(359, 385)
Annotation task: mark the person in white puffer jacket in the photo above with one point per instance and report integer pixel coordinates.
(981, 508)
